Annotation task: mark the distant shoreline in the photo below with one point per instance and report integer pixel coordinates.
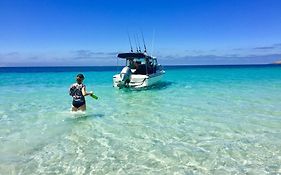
(277, 62)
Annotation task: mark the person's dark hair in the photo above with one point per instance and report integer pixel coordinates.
(80, 76)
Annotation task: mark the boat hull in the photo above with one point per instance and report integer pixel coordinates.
(139, 81)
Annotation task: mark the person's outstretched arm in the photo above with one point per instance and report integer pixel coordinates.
(85, 93)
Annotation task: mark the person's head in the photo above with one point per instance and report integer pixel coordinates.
(136, 64)
(80, 78)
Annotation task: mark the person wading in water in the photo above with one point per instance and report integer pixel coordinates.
(78, 93)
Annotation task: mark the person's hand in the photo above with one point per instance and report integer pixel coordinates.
(91, 93)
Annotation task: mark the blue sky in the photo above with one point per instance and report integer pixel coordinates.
(91, 32)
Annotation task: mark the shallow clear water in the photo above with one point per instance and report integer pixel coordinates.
(206, 120)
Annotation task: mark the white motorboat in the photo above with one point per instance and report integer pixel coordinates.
(141, 70)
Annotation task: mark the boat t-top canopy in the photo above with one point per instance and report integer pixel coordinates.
(132, 55)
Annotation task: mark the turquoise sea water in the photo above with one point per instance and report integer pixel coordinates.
(198, 120)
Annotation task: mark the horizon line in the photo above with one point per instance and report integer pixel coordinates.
(168, 65)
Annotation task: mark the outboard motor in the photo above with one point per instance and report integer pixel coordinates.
(125, 76)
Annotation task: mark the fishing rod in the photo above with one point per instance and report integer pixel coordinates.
(138, 43)
(130, 41)
(143, 41)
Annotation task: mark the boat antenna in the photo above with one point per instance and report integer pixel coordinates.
(130, 41)
(143, 42)
(136, 43)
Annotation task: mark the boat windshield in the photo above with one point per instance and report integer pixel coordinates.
(142, 66)
(136, 61)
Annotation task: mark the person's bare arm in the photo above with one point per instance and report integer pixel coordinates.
(85, 93)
